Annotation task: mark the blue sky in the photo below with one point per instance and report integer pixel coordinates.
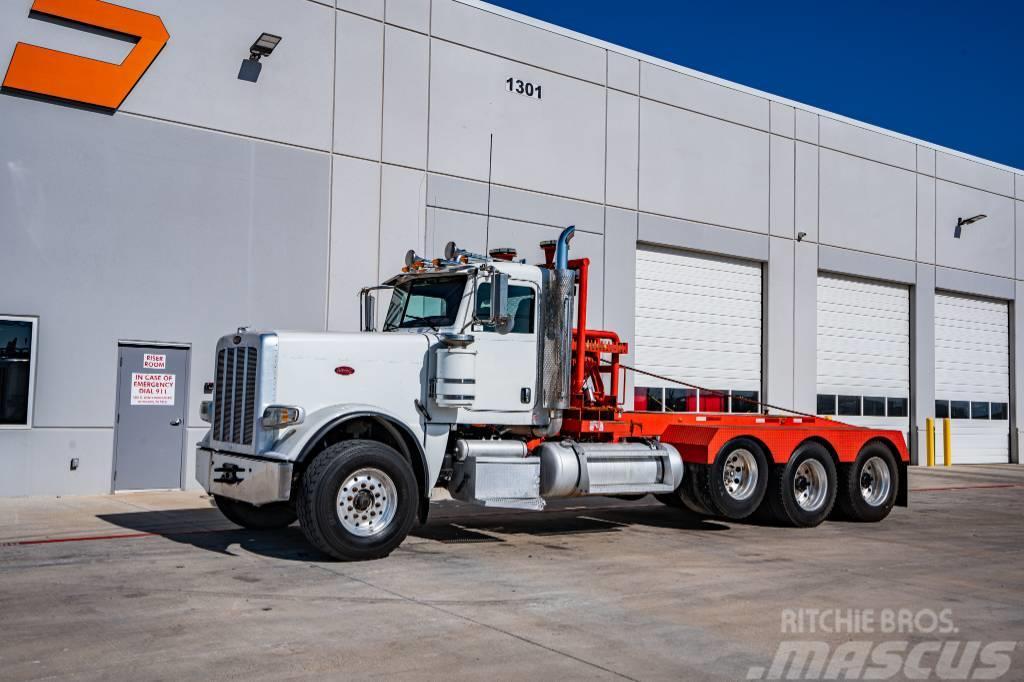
(951, 73)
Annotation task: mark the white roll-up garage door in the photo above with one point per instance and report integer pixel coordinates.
(698, 319)
(863, 354)
(972, 377)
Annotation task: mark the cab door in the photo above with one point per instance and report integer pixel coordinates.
(506, 364)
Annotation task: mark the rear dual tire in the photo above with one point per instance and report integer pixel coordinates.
(803, 490)
(868, 486)
(732, 486)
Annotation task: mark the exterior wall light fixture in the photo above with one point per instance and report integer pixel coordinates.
(964, 222)
(263, 47)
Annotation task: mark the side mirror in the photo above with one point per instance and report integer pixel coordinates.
(369, 324)
(499, 300)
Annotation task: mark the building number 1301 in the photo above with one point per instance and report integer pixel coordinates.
(521, 87)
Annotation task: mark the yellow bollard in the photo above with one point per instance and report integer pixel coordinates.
(930, 435)
(947, 443)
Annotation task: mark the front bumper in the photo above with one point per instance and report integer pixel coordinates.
(247, 479)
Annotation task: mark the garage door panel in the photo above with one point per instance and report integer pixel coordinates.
(702, 289)
(972, 366)
(882, 350)
(869, 304)
(863, 348)
(698, 320)
(671, 343)
(734, 316)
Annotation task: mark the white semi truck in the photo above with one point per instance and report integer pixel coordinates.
(478, 382)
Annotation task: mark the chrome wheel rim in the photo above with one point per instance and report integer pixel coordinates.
(875, 481)
(367, 502)
(810, 485)
(740, 474)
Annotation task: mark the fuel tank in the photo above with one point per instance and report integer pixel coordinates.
(570, 469)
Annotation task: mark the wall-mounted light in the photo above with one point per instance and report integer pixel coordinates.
(263, 47)
(964, 222)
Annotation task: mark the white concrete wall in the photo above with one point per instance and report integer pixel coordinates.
(208, 202)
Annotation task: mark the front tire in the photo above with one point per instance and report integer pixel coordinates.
(803, 490)
(358, 500)
(268, 517)
(867, 488)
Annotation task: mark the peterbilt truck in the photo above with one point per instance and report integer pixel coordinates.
(485, 381)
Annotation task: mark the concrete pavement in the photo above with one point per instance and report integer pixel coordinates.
(159, 585)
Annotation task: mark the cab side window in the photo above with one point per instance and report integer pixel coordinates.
(522, 307)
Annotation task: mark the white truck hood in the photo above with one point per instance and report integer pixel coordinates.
(386, 369)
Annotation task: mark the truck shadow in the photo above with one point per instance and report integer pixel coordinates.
(206, 529)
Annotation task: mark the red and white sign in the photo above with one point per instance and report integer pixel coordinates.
(151, 361)
(152, 389)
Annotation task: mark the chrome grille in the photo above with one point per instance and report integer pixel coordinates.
(234, 397)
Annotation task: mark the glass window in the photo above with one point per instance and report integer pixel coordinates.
(942, 409)
(646, 399)
(959, 409)
(849, 405)
(17, 367)
(714, 401)
(522, 303)
(826, 403)
(1000, 411)
(745, 402)
(979, 410)
(425, 302)
(680, 400)
(898, 407)
(874, 406)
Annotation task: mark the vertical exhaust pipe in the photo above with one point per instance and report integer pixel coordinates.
(562, 248)
(556, 351)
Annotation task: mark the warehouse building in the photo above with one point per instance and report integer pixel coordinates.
(166, 177)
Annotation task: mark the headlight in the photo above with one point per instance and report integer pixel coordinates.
(206, 411)
(281, 416)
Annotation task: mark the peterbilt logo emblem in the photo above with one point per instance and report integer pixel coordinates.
(71, 77)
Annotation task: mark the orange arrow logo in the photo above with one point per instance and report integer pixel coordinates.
(80, 79)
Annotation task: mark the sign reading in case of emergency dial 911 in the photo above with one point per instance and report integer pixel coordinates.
(152, 389)
(521, 87)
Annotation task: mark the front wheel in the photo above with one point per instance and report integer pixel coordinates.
(358, 500)
(267, 517)
(867, 488)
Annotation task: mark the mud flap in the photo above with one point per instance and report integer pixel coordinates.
(903, 493)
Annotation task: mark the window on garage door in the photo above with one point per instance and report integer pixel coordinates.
(863, 355)
(972, 376)
(698, 320)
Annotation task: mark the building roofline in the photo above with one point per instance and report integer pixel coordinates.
(531, 21)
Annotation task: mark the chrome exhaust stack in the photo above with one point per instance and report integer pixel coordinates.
(556, 343)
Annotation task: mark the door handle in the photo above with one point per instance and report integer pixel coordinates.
(176, 422)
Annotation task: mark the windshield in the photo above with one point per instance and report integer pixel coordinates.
(425, 302)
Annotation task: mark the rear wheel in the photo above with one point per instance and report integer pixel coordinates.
(867, 488)
(803, 489)
(267, 517)
(734, 484)
(358, 500)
